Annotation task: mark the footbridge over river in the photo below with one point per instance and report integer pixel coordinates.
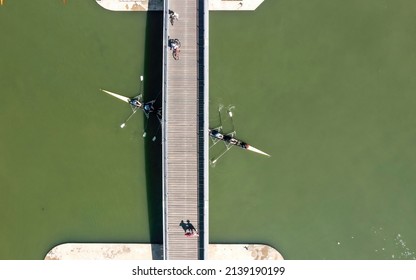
(185, 119)
(185, 130)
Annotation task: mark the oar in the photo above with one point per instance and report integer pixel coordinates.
(215, 141)
(219, 114)
(141, 85)
(145, 128)
(124, 124)
(154, 137)
(213, 162)
(230, 114)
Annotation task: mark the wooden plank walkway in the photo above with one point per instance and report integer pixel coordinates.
(183, 157)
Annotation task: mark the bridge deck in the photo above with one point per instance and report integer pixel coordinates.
(182, 153)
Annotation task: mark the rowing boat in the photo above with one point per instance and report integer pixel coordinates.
(137, 103)
(251, 148)
(121, 97)
(230, 141)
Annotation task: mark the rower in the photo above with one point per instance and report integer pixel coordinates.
(148, 108)
(136, 103)
(228, 139)
(234, 141)
(243, 145)
(216, 134)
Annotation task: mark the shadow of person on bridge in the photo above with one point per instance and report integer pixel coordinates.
(187, 227)
(190, 227)
(184, 226)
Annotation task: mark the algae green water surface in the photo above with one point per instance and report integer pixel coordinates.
(68, 173)
(326, 87)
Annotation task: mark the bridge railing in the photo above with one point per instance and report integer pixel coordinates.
(203, 122)
(164, 132)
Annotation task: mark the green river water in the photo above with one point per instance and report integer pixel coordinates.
(326, 87)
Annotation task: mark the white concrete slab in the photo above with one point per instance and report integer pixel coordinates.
(157, 5)
(106, 251)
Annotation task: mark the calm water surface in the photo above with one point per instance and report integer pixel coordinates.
(68, 173)
(326, 87)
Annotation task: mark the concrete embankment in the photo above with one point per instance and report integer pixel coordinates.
(84, 251)
(157, 5)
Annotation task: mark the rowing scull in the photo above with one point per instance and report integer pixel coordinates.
(121, 97)
(230, 140)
